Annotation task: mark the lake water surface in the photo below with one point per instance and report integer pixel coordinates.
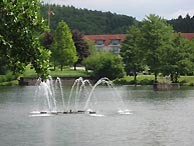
(162, 118)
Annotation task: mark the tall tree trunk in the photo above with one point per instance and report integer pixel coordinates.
(171, 77)
(155, 78)
(176, 77)
(135, 76)
(74, 66)
(61, 67)
(54, 65)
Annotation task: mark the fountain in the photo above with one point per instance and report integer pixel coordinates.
(80, 98)
(45, 97)
(114, 95)
(79, 90)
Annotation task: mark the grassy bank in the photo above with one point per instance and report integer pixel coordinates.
(58, 73)
(9, 79)
(149, 79)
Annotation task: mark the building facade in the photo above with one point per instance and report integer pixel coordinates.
(107, 43)
(112, 42)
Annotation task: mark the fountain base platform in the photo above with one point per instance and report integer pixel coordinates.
(62, 112)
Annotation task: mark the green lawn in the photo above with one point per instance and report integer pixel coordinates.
(148, 80)
(9, 79)
(187, 80)
(58, 73)
(69, 73)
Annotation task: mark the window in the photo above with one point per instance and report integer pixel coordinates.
(99, 42)
(115, 50)
(115, 42)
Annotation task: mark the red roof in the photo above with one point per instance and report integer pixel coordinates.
(188, 36)
(108, 37)
(105, 37)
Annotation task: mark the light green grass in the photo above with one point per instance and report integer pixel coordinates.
(187, 80)
(9, 83)
(148, 80)
(69, 73)
(57, 73)
(9, 79)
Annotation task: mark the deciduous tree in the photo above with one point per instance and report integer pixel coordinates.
(157, 37)
(63, 48)
(81, 45)
(105, 65)
(131, 51)
(178, 60)
(20, 28)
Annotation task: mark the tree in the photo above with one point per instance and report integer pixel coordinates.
(47, 39)
(63, 49)
(88, 21)
(157, 37)
(179, 59)
(81, 45)
(105, 65)
(183, 24)
(92, 47)
(20, 28)
(131, 51)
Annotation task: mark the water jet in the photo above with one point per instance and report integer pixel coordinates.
(82, 98)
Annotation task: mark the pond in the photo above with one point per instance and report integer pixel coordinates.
(158, 118)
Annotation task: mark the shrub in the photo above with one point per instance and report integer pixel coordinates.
(146, 82)
(8, 77)
(2, 78)
(105, 65)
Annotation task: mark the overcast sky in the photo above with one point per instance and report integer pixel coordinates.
(139, 9)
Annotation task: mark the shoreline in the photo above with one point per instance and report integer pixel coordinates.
(30, 81)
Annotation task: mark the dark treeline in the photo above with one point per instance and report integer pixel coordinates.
(181, 24)
(88, 21)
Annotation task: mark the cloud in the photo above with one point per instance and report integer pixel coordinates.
(181, 12)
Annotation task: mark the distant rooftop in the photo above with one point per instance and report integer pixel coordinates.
(105, 37)
(189, 36)
(108, 37)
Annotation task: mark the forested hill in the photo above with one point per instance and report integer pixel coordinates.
(181, 24)
(97, 22)
(88, 21)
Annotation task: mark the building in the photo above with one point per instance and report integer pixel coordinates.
(107, 43)
(113, 42)
(188, 36)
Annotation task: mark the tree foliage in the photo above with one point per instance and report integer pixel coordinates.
(131, 51)
(88, 21)
(159, 47)
(179, 59)
(92, 47)
(97, 22)
(181, 24)
(46, 39)
(81, 45)
(157, 38)
(105, 65)
(20, 28)
(63, 48)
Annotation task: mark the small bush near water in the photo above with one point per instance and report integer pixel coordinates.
(129, 80)
(5, 79)
(149, 80)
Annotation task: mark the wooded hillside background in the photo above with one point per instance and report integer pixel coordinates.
(97, 22)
